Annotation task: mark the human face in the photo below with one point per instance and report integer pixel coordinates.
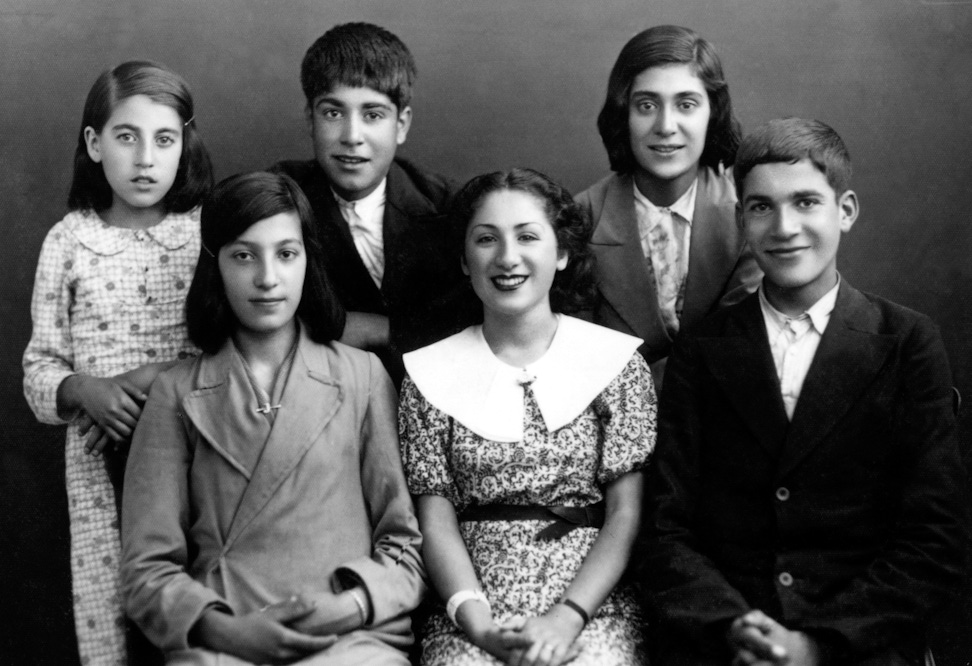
(792, 219)
(511, 254)
(263, 274)
(139, 149)
(668, 115)
(356, 132)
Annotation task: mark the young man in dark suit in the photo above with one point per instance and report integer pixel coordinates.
(807, 503)
(386, 242)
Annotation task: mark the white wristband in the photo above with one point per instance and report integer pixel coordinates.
(461, 597)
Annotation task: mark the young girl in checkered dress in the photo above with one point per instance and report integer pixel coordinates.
(108, 309)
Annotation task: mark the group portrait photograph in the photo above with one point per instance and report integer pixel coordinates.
(442, 332)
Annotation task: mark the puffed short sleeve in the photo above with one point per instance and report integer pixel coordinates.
(425, 433)
(628, 412)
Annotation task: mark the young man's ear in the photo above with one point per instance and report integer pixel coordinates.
(739, 218)
(92, 143)
(309, 119)
(462, 263)
(404, 123)
(849, 209)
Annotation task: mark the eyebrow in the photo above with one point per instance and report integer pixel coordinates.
(138, 130)
(799, 194)
(333, 101)
(654, 95)
(285, 241)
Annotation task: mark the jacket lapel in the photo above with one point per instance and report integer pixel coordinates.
(309, 401)
(715, 246)
(230, 432)
(742, 365)
(850, 354)
(627, 283)
(405, 208)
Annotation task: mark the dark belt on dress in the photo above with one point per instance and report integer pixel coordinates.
(566, 518)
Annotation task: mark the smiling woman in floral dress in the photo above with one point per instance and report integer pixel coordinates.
(523, 440)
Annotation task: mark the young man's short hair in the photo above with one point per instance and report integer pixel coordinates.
(359, 55)
(790, 140)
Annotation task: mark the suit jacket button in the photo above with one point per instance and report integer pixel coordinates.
(782, 494)
(786, 580)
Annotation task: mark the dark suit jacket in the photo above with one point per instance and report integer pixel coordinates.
(848, 521)
(721, 267)
(422, 268)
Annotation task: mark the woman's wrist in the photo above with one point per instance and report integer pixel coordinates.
(210, 629)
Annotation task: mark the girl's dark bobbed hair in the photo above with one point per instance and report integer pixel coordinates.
(657, 47)
(89, 187)
(573, 287)
(236, 204)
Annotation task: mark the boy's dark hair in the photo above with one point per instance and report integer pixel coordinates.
(359, 55)
(573, 287)
(657, 47)
(89, 187)
(790, 140)
(236, 204)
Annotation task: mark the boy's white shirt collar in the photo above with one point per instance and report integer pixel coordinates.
(366, 207)
(684, 207)
(463, 378)
(819, 313)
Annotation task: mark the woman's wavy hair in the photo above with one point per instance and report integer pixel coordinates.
(657, 47)
(89, 187)
(236, 204)
(573, 287)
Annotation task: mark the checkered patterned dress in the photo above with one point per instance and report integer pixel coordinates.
(106, 300)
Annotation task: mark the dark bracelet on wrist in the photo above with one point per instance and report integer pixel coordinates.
(576, 607)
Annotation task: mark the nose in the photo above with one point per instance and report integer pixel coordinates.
(145, 155)
(665, 121)
(351, 130)
(786, 222)
(508, 255)
(266, 276)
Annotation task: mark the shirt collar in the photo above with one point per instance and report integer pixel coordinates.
(368, 205)
(818, 313)
(684, 207)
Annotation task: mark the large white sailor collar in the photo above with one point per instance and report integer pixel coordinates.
(173, 232)
(463, 378)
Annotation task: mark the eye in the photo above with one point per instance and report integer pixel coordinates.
(126, 137)
(644, 106)
(165, 141)
(688, 105)
(758, 208)
(528, 236)
(289, 254)
(484, 239)
(373, 115)
(329, 113)
(806, 203)
(242, 255)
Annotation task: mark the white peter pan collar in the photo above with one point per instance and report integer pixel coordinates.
(463, 378)
(172, 233)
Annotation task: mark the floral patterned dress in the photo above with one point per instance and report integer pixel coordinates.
(568, 466)
(106, 300)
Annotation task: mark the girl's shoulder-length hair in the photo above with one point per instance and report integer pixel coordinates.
(573, 287)
(89, 187)
(657, 47)
(236, 204)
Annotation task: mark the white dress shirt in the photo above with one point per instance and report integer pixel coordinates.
(666, 234)
(794, 342)
(365, 219)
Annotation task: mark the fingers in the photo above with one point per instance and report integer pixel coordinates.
(289, 610)
(134, 392)
(305, 643)
(96, 442)
(514, 640)
(750, 633)
(83, 423)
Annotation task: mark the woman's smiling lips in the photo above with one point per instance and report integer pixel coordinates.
(508, 282)
(665, 149)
